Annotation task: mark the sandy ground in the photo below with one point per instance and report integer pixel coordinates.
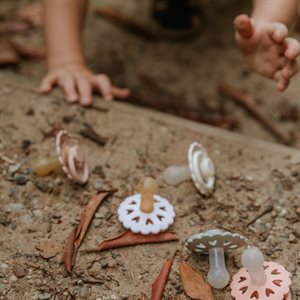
(253, 178)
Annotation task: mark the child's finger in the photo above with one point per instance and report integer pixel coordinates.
(278, 32)
(290, 70)
(47, 83)
(103, 83)
(243, 26)
(85, 91)
(120, 93)
(281, 82)
(292, 48)
(68, 85)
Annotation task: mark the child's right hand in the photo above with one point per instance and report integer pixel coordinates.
(268, 49)
(78, 84)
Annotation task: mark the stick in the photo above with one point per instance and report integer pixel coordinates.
(127, 23)
(247, 101)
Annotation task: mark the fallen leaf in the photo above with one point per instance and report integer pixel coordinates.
(76, 237)
(32, 13)
(128, 238)
(49, 248)
(158, 286)
(194, 284)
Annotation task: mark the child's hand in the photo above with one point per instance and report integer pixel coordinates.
(78, 84)
(267, 49)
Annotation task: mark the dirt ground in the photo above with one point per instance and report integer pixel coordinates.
(253, 178)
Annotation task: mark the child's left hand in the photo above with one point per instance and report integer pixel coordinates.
(267, 49)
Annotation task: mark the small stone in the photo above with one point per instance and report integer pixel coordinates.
(113, 297)
(98, 170)
(13, 278)
(44, 296)
(104, 264)
(20, 179)
(26, 219)
(84, 292)
(4, 220)
(43, 186)
(14, 207)
(13, 169)
(98, 186)
(20, 271)
(97, 222)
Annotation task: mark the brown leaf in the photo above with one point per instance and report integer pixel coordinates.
(194, 284)
(158, 286)
(49, 248)
(129, 238)
(76, 237)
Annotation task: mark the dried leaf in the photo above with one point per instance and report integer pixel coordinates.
(76, 237)
(129, 238)
(158, 286)
(194, 284)
(49, 248)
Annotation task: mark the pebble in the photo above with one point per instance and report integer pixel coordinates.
(44, 296)
(13, 169)
(98, 170)
(20, 271)
(4, 220)
(98, 186)
(13, 207)
(43, 186)
(97, 222)
(84, 292)
(20, 179)
(25, 219)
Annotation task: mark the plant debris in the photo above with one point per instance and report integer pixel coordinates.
(89, 133)
(8, 56)
(158, 286)
(194, 284)
(127, 23)
(77, 235)
(128, 238)
(247, 101)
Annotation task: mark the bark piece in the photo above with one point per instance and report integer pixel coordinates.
(89, 133)
(194, 284)
(247, 101)
(77, 235)
(127, 23)
(158, 286)
(128, 238)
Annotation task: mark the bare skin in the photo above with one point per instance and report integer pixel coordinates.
(263, 40)
(265, 43)
(66, 63)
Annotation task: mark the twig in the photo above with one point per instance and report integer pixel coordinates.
(127, 23)
(89, 133)
(267, 210)
(247, 101)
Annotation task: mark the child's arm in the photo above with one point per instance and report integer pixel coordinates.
(264, 40)
(66, 63)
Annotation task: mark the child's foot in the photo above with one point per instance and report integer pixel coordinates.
(178, 18)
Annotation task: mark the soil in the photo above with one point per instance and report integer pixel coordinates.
(258, 183)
